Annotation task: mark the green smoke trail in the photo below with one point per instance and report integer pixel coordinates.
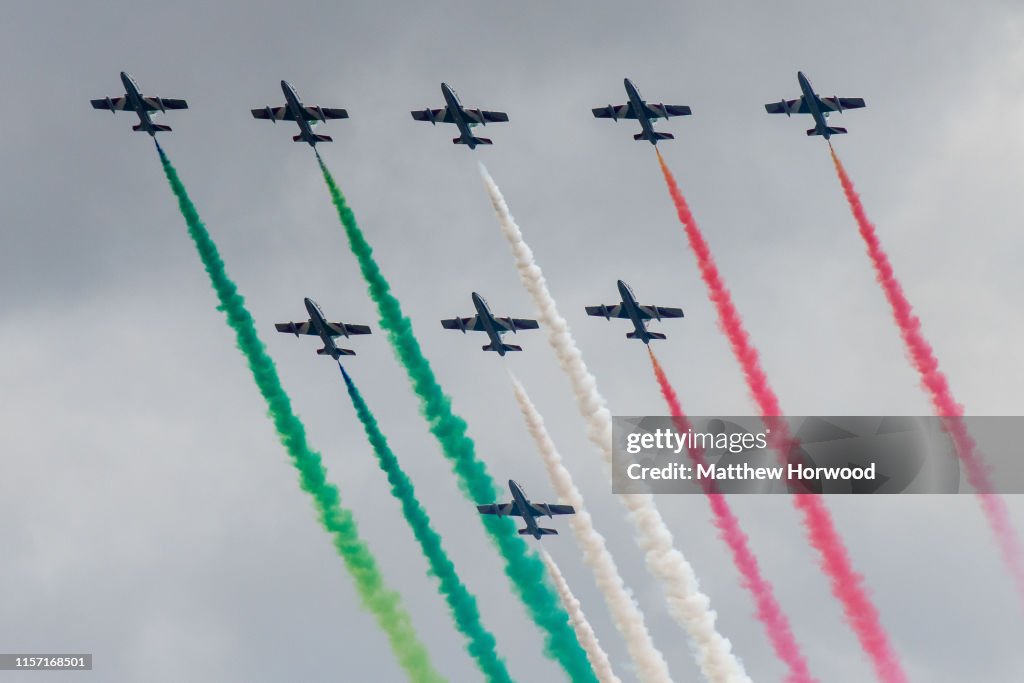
(461, 602)
(383, 603)
(522, 566)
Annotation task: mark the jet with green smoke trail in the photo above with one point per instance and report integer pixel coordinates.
(523, 567)
(382, 602)
(460, 601)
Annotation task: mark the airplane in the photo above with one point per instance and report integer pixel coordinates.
(318, 325)
(134, 100)
(645, 113)
(629, 308)
(529, 511)
(485, 321)
(463, 117)
(818, 107)
(305, 116)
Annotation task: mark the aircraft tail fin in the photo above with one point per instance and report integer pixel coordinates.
(504, 347)
(335, 353)
(541, 530)
(317, 138)
(642, 135)
(832, 130)
(156, 127)
(472, 141)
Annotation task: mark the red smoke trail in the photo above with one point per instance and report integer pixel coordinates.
(768, 610)
(847, 584)
(935, 383)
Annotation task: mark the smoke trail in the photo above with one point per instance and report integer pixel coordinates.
(935, 383)
(770, 614)
(847, 584)
(629, 620)
(461, 602)
(584, 632)
(523, 568)
(383, 603)
(687, 604)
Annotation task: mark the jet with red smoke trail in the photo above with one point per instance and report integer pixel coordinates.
(305, 116)
(485, 321)
(134, 100)
(317, 325)
(463, 117)
(818, 107)
(646, 114)
(637, 313)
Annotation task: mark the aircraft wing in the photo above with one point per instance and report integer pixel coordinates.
(275, 113)
(338, 329)
(313, 113)
(500, 509)
(622, 111)
(666, 111)
(841, 103)
(649, 312)
(296, 328)
(613, 311)
(110, 103)
(788, 107)
(473, 324)
(479, 116)
(161, 103)
(552, 508)
(513, 324)
(434, 115)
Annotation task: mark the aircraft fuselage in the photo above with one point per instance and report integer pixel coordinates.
(135, 102)
(298, 112)
(487, 319)
(637, 104)
(633, 311)
(812, 105)
(319, 323)
(522, 503)
(451, 100)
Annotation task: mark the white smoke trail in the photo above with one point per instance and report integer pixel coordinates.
(584, 632)
(629, 620)
(687, 604)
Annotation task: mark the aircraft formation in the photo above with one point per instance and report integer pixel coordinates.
(466, 118)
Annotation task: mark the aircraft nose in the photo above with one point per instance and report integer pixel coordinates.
(124, 74)
(307, 301)
(625, 82)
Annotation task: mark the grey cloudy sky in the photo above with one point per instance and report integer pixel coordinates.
(148, 513)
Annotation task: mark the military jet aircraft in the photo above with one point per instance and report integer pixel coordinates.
(463, 117)
(305, 116)
(318, 325)
(629, 308)
(522, 507)
(134, 100)
(818, 107)
(485, 321)
(643, 112)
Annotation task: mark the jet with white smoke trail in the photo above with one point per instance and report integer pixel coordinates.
(629, 620)
(690, 607)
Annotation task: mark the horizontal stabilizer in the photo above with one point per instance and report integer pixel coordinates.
(504, 347)
(156, 126)
(651, 335)
(318, 138)
(338, 351)
(472, 141)
(542, 530)
(832, 130)
(657, 136)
